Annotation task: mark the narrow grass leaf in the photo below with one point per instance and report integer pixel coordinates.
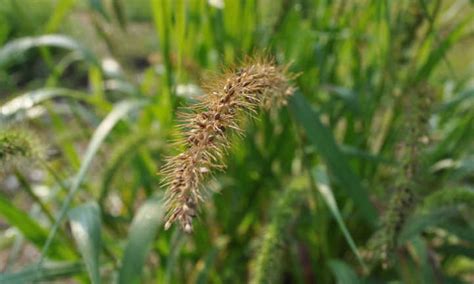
(323, 140)
(438, 54)
(203, 275)
(119, 12)
(141, 235)
(457, 250)
(85, 226)
(450, 197)
(30, 228)
(98, 6)
(463, 98)
(460, 230)
(17, 107)
(124, 150)
(48, 272)
(176, 244)
(16, 48)
(119, 111)
(343, 272)
(321, 179)
(61, 9)
(425, 273)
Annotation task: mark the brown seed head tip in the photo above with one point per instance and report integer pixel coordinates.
(168, 225)
(206, 127)
(188, 228)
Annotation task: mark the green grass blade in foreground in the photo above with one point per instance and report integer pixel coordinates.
(61, 10)
(85, 227)
(119, 111)
(321, 179)
(18, 106)
(30, 228)
(423, 269)
(464, 97)
(98, 6)
(325, 144)
(343, 272)
(449, 197)
(17, 47)
(119, 11)
(437, 54)
(176, 244)
(121, 154)
(142, 232)
(47, 272)
(208, 261)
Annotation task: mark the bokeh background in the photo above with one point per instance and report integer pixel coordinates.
(366, 176)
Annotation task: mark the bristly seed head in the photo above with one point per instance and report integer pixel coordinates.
(259, 83)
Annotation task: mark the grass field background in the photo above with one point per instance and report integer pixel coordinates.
(314, 193)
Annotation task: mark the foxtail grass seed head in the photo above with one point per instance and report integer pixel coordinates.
(268, 260)
(415, 136)
(17, 147)
(206, 127)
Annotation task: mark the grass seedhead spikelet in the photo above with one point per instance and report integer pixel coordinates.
(206, 126)
(414, 137)
(17, 147)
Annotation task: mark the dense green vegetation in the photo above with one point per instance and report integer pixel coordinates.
(365, 177)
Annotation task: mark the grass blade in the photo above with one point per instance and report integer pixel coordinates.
(18, 47)
(325, 144)
(61, 10)
(47, 272)
(343, 272)
(141, 234)
(418, 223)
(119, 111)
(98, 6)
(85, 226)
(437, 55)
(126, 149)
(119, 11)
(322, 182)
(30, 228)
(17, 107)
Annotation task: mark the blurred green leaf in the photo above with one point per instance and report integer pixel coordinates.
(98, 6)
(209, 259)
(321, 179)
(343, 272)
(438, 54)
(456, 250)
(323, 140)
(47, 272)
(118, 112)
(61, 9)
(14, 49)
(462, 98)
(417, 223)
(17, 107)
(30, 228)
(449, 197)
(85, 226)
(120, 13)
(142, 232)
(424, 271)
(120, 155)
(460, 230)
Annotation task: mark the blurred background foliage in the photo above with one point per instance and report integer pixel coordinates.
(373, 155)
